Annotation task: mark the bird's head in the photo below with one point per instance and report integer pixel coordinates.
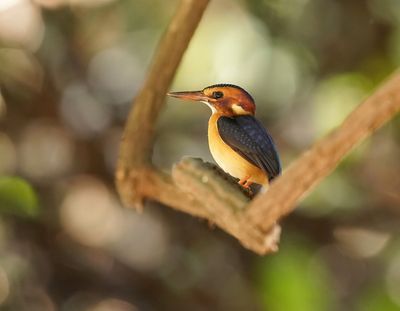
(226, 99)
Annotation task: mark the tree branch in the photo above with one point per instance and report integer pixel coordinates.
(137, 141)
(315, 164)
(201, 190)
(224, 201)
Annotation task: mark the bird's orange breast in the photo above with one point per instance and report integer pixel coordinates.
(228, 159)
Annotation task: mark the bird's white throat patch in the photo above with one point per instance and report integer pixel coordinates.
(237, 109)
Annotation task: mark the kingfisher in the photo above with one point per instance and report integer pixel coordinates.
(238, 142)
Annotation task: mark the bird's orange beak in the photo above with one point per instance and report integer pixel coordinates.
(194, 95)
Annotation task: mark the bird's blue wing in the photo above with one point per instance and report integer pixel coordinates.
(249, 138)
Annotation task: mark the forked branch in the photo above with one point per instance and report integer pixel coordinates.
(196, 188)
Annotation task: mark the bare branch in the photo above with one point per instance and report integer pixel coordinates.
(137, 142)
(160, 187)
(315, 164)
(198, 189)
(224, 202)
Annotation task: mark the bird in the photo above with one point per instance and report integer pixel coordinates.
(238, 142)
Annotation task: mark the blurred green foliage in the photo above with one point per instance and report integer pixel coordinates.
(17, 197)
(376, 299)
(294, 280)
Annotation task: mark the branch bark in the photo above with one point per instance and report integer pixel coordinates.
(322, 158)
(198, 189)
(137, 141)
(222, 198)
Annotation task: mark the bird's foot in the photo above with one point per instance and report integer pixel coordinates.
(243, 182)
(247, 184)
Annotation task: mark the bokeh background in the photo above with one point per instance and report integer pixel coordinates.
(68, 72)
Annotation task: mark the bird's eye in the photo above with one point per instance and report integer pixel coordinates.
(217, 95)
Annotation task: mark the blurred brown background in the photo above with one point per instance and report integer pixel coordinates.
(68, 72)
